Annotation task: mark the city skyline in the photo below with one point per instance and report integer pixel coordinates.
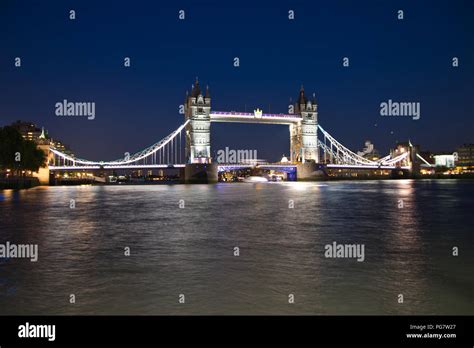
(138, 105)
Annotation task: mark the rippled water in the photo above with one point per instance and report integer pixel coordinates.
(190, 251)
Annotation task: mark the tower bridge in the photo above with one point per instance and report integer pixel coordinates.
(312, 148)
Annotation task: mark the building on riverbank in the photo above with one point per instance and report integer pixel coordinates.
(30, 132)
(465, 158)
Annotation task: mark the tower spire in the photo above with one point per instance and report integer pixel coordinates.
(196, 90)
(302, 98)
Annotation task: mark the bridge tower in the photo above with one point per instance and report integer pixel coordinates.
(304, 136)
(197, 109)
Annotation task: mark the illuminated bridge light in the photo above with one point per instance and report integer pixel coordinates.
(167, 152)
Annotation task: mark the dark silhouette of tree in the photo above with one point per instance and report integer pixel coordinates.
(19, 154)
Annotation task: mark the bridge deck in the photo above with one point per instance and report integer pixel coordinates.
(229, 166)
(130, 166)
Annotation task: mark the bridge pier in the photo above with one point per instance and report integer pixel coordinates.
(200, 173)
(399, 173)
(308, 171)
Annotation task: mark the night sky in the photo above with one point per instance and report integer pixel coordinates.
(82, 60)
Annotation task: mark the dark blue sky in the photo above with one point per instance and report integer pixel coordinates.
(82, 60)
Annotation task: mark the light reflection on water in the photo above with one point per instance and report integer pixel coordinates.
(190, 250)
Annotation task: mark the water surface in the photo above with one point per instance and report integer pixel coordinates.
(190, 250)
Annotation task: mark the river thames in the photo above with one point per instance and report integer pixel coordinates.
(182, 240)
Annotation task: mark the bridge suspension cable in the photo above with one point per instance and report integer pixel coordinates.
(340, 152)
(341, 155)
(169, 152)
(166, 151)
